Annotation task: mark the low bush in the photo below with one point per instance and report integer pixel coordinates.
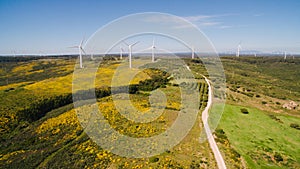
(278, 157)
(197, 61)
(249, 94)
(244, 111)
(154, 159)
(294, 125)
(275, 118)
(220, 133)
(158, 79)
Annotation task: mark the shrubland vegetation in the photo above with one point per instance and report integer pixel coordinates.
(39, 127)
(30, 100)
(39, 113)
(271, 76)
(263, 138)
(33, 70)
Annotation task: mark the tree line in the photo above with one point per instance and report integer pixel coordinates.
(41, 106)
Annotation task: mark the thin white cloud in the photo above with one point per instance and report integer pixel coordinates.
(225, 27)
(163, 19)
(210, 23)
(202, 21)
(183, 26)
(173, 22)
(232, 26)
(198, 17)
(200, 24)
(214, 21)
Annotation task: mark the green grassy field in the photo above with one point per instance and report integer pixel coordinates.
(262, 141)
(261, 138)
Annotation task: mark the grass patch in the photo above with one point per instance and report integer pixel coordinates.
(262, 141)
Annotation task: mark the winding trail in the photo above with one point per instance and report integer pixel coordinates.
(210, 138)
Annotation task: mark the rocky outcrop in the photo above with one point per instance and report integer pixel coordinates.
(291, 105)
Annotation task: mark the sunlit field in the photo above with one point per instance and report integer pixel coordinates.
(39, 126)
(52, 132)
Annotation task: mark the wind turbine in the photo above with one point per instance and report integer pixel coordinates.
(193, 52)
(121, 53)
(238, 50)
(81, 50)
(153, 47)
(92, 57)
(14, 53)
(42, 53)
(284, 55)
(130, 52)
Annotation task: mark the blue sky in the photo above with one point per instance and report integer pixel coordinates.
(51, 26)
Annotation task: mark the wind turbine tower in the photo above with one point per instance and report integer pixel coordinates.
(238, 50)
(130, 52)
(153, 47)
(42, 53)
(92, 56)
(121, 53)
(193, 52)
(284, 55)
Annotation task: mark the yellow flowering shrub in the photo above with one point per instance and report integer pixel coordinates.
(9, 155)
(57, 123)
(25, 67)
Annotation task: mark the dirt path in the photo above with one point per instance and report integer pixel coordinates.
(211, 140)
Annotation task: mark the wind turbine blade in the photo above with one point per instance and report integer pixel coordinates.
(73, 47)
(82, 50)
(153, 42)
(147, 49)
(125, 43)
(135, 43)
(82, 41)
